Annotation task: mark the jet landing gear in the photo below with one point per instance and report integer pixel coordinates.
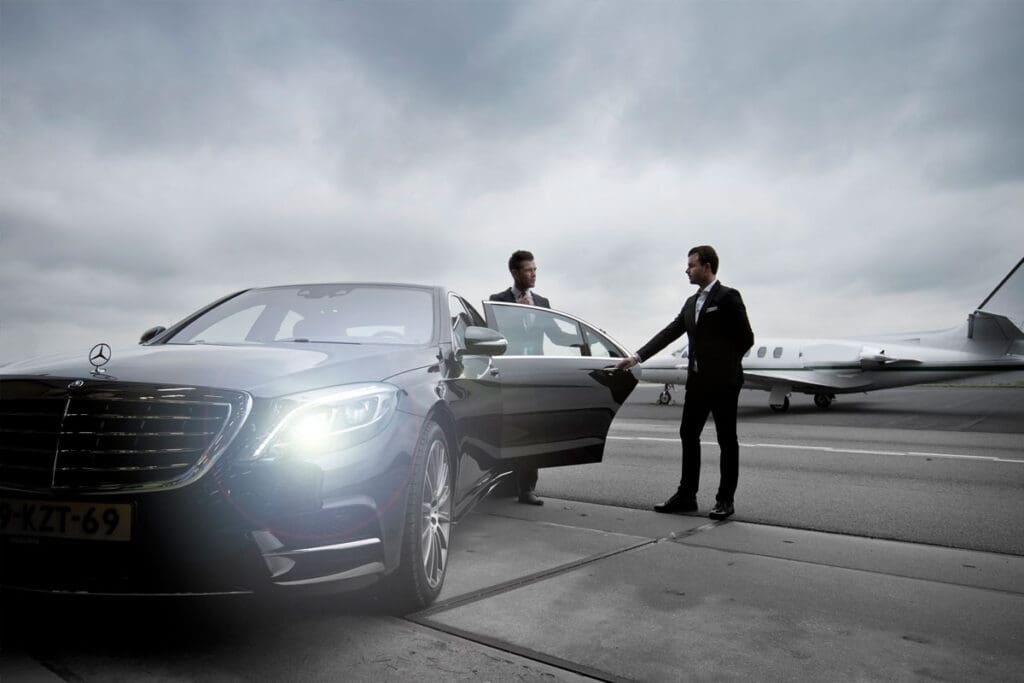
(823, 401)
(665, 397)
(778, 401)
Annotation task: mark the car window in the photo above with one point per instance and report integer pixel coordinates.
(352, 314)
(460, 319)
(533, 331)
(234, 326)
(286, 330)
(599, 345)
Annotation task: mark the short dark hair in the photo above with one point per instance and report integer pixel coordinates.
(707, 256)
(517, 258)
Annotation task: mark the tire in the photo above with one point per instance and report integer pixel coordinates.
(664, 398)
(428, 525)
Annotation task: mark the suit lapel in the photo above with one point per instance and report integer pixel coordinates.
(710, 301)
(689, 313)
(712, 296)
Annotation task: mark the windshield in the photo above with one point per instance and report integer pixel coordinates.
(339, 314)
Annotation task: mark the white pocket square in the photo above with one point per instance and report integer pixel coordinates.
(711, 310)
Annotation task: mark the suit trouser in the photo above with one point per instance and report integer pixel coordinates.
(526, 479)
(703, 398)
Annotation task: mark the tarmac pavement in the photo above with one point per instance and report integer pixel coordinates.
(571, 591)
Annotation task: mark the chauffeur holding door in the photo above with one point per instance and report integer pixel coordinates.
(524, 276)
(715, 321)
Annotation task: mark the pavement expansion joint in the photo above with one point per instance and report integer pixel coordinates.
(528, 653)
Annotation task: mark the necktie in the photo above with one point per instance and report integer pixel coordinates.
(524, 298)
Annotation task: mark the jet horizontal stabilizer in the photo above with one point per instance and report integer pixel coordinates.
(985, 326)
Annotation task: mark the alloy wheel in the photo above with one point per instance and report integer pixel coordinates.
(436, 516)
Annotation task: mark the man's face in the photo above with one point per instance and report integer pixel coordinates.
(525, 276)
(699, 274)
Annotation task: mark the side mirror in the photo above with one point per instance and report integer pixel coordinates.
(150, 333)
(484, 341)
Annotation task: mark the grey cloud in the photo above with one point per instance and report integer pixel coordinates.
(172, 152)
(394, 83)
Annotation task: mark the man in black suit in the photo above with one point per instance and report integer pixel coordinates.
(715, 321)
(524, 276)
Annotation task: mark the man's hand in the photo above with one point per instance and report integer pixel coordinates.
(626, 363)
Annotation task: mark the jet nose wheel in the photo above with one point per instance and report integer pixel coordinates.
(664, 398)
(823, 401)
(780, 407)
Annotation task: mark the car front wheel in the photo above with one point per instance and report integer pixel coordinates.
(428, 524)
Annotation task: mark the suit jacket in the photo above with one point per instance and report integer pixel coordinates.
(717, 340)
(508, 296)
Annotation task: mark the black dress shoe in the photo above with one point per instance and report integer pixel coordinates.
(530, 498)
(677, 503)
(721, 510)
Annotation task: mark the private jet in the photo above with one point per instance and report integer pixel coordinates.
(990, 341)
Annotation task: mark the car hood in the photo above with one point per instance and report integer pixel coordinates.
(263, 371)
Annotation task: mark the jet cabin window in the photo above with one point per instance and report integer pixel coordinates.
(777, 353)
(762, 351)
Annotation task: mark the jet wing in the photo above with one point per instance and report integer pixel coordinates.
(805, 382)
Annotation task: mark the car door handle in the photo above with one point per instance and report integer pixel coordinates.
(495, 372)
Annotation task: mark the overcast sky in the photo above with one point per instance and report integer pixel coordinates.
(858, 165)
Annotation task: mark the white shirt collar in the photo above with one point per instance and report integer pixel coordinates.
(707, 289)
(516, 292)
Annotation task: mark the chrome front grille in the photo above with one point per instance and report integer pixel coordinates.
(104, 437)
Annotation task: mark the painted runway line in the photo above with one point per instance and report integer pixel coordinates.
(832, 449)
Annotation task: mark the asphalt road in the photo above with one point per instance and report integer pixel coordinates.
(942, 466)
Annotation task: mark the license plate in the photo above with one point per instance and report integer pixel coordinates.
(57, 519)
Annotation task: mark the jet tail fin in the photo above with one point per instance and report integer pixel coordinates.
(1007, 299)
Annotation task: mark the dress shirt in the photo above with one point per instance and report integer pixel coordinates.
(517, 293)
(702, 297)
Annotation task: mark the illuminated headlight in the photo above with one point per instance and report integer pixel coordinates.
(326, 421)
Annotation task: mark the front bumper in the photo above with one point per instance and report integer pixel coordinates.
(242, 528)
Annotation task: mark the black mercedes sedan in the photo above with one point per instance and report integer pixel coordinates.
(294, 437)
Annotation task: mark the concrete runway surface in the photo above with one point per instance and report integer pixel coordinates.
(584, 590)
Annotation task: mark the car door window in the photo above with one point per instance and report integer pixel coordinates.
(600, 346)
(533, 331)
(460, 319)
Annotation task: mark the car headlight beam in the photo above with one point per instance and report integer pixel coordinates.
(322, 422)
